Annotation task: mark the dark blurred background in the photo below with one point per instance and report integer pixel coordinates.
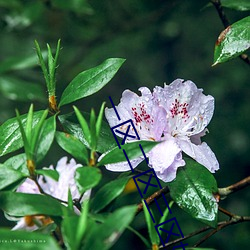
(161, 41)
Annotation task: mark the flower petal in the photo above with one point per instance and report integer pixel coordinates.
(143, 112)
(165, 158)
(189, 110)
(201, 153)
(65, 182)
(124, 166)
(29, 187)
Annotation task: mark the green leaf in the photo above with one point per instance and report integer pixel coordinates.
(90, 81)
(82, 223)
(53, 174)
(10, 136)
(37, 132)
(73, 146)
(16, 240)
(154, 238)
(104, 236)
(92, 127)
(19, 90)
(18, 162)
(165, 214)
(20, 204)
(108, 193)
(132, 150)
(87, 177)
(233, 41)
(241, 5)
(84, 125)
(193, 191)
(69, 230)
(8, 176)
(99, 120)
(46, 137)
(105, 142)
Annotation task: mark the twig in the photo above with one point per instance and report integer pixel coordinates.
(235, 220)
(224, 192)
(151, 198)
(224, 211)
(226, 23)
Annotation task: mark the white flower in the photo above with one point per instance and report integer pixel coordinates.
(177, 115)
(58, 189)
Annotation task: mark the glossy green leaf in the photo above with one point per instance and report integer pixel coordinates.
(99, 120)
(53, 174)
(233, 41)
(19, 90)
(16, 240)
(105, 235)
(154, 238)
(193, 191)
(83, 223)
(18, 162)
(69, 230)
(73, 146)
(102, 217)
(10, 136)
(90, 81)
(241, 5)
(74, 228)
(92, 127)
(132, 150)
(9, 175)
(106, 140)
(84, 125)
(20, 204)
(87, 177)
(46, 138)
(108, 193)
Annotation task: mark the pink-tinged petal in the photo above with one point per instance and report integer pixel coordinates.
(124, 166)
(59, 189)
(165, 158)
(189, 110)
(201, 153)
(196, 139)
(29, 187)
(142, 110)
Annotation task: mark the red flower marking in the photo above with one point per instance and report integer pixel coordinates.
(179, 109)
(140, 114)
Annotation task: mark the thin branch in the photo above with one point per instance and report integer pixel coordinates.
(222, 15)
(151, 198)
(224, 211)
(204, 229)
(224, 192)
(235, 220)
(226, 23)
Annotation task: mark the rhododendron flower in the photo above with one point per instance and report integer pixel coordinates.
(175, 115)
(58, 189)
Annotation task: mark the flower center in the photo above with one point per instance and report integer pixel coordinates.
(180, 110)
(140, 114)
